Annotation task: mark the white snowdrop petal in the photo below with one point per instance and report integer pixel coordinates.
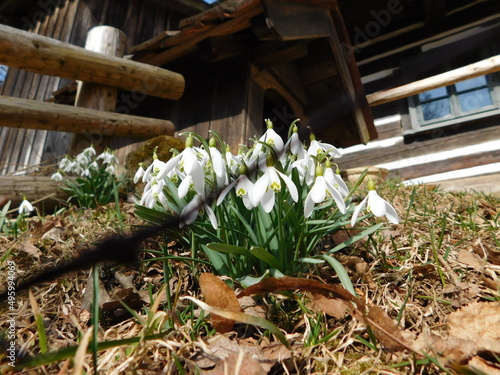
(357, 210)
(318, 190)
(376, 204)
(268, 200)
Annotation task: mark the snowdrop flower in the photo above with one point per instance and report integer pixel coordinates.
(154, 168)
(57, 176)
(268, 184)
(334, 179)
(94, 165)
(25, 207)
(82, 160)
(315, 147)
(186, 162)
(110, 169)
(218, 165)
(233, 161)
(376, 205)
(306, 169)
(64, 163)
(86, 173)
(89, 152)
(138, 175)
(108, 157)
(271, 138)
(319, 191)
(192, 209)
(295, 145)
(243, 188)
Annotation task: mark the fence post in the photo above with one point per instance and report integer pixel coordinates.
(109, 41)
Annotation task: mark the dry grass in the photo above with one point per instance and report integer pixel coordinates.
(444, 255)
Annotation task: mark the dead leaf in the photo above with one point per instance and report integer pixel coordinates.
(479, 323)
(55, 234)
(330, 306)
(237, 364)
(217, 294)
(31, 249)
(250, 307)
(470, 259)
(386, 331)
(221, 353)
(390, 336)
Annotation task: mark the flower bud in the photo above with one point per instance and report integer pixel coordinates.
(212, 142)
(189, 141)
(319, 170)
(371, 184)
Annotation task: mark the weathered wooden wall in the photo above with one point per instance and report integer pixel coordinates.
(140, 20)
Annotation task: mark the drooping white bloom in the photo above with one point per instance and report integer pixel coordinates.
(315, 147)
(243, 190)
(138, 175)
(57, 176)
(267, 185)
(64, 163)
(376, 205)
(89, 152)
(318, 193)
(86, 173)
(335, 180)
(25, 207)
(110, 169)
(191, 211)
(108, 157)
(219, 167)
(306, 169)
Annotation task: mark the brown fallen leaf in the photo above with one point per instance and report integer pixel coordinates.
(470, 259)
(31, 249)
(334, 307)
(390, 336)
(217, 294)
(221, 352)
(385, 330)
(479, 323)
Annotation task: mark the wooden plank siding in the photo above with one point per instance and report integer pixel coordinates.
(139, 19)
(419, 159)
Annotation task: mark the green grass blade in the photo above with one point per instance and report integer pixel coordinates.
(341, 272)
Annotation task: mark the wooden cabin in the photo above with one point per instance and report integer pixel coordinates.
(450, 134)
(242, 61)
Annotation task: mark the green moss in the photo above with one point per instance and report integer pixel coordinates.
(144, 154)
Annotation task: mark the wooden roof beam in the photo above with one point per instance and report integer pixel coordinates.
(186, 44)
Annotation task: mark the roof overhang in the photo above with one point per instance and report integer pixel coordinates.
(299, 48)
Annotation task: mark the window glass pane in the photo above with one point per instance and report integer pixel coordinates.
(436, 109)
(476, 99)
(3, 73)
(471, 83)
(433, 94)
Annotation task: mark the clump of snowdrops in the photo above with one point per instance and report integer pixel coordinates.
(94, 182)
(262, 211)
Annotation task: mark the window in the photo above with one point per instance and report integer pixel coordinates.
(465, 101)
(3, 74)
(472, 99)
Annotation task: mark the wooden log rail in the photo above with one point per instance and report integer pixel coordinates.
(35, 53)
(31, 114)
(477, 69)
